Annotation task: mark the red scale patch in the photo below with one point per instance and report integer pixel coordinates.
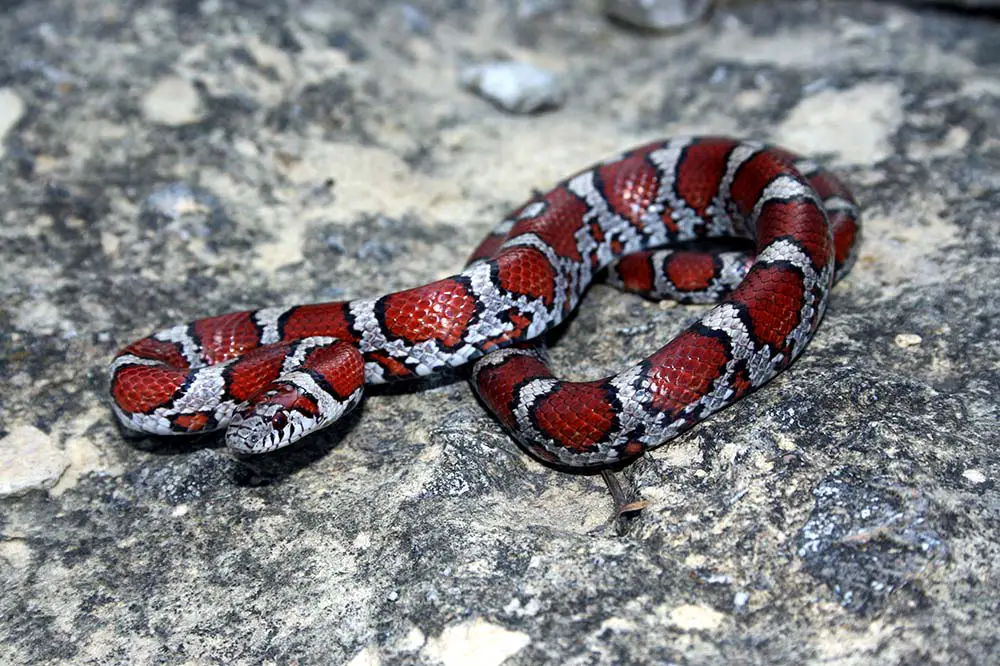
(326, 319)
(636, 272)
(157, 350)
(701, 171)
(773, 297)
(787, 157)
(255, 370)
(438, 311)
(497, 384)
(526, 271)
(520, 323)
(827, 185)
(226, 336)
(800, 220)
(632, 184)
(682, 372)
(289, 397)
(557, 224)
(690, 271)
(752, 177)
(632, 449)
(578, 415)
(394, 368)
(191, 422)
(845, 235)
(140, 389)
(341, 365)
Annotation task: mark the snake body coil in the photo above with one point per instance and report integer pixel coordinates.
(271, 376)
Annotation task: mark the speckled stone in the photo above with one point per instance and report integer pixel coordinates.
(847, 513)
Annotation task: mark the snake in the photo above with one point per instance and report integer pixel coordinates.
(654, 220)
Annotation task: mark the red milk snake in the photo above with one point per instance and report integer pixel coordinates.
(271, 376)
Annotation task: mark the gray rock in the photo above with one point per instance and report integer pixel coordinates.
(29, 460)
(848, 512)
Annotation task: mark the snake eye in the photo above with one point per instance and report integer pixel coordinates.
(279, 421)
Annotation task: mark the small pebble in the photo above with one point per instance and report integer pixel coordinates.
(176, 200)
(904, 340)
(974, 476)
(657, 14)
(515, 87)
(11, 112)
(174, 102)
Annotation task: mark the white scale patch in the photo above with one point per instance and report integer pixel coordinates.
(634, 396)
(329, 406)
(785, 251)
(530, 212)
(837, 204)
(365, 323)
(487, 326)
(783, 188)
(496, 358)
(205, 390)
(524, 405)
(667, 161)
(735, 266)
(426, 357)
(267, 320)
(179, 335)
(151, 423)
(301, 349)
(129, 359)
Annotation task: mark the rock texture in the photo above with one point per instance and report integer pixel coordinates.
(165, 161)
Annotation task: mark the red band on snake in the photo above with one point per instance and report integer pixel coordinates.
(272, 376)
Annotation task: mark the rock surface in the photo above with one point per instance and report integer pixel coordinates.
(848, 513)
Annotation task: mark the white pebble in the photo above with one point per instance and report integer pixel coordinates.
(905, 340)
(11, 111)
(516, 87)
(974, 476)
(657, 14)
(173, 101)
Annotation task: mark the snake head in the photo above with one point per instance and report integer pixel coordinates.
(284, 412)
(324, 381)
